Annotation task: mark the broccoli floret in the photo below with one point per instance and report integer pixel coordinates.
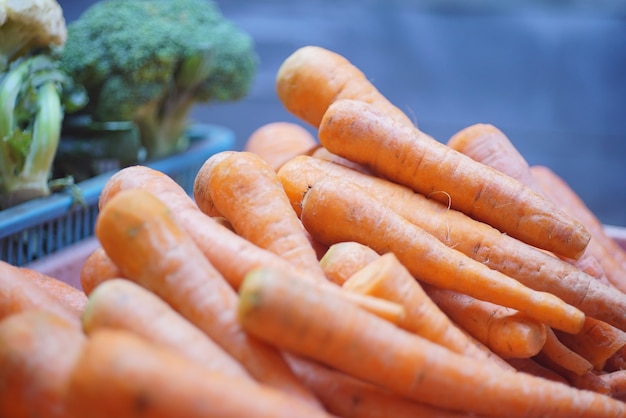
(26, 25)
(34, 96)
(150, 61)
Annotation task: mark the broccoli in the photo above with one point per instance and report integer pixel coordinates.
(150, 61)
(26, 25)
(34, 96)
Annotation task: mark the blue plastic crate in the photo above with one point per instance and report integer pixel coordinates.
(41, 227)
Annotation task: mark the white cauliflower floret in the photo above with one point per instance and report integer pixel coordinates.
(29, 24)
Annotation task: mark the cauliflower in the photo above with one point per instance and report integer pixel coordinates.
(27, 25)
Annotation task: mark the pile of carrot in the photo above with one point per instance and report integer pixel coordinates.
(351, 266)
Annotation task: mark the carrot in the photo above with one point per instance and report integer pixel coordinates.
(312, 78)
(559, 190)
(505, 331)
(366, 135)
(246, 190)
(97, 268)
(589, 381)
(122, 304)
(530, 366)
(37, 354)
(343, 259)
(277, 142)
(348, 397)
(18, 293)
(334, 214)
(119, 374)
(616, 381)
(71, 297)
(388, 279)
(530, 266)
(142, 238)
(232, 255)
(218, 243)
(223, 221)
(560, 354)
(322, 327)
(617, 361)
(494, 326)
(487, 144)
(598, 342)
(602, 247)
(323, 154)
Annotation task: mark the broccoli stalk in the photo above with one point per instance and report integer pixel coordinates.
(151, 61)
(31, 114)
(165, 120)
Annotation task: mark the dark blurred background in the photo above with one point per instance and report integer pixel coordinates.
(550, 75)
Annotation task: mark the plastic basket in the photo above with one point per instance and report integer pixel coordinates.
(41, 227)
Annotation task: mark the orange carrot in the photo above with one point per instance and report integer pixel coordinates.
(332, 214)
(348, 397)
(219, 244)
(505, 331)
(343, 259)
(617, 361)
(142, 238)
(247, 192)
(487, 326)
(312, 78)
(67, 294)
(325, 329)
(97, 268)
(601, 246)
(122, 304)
(589, 381)
(487, 144)
(530, 266)
(323, 154)
(598, 342)
(37, 354)
(119, 374)
(366, 135)
(19, 293)
(616, 381)
(223, 221)
(560, 354)
(559, 190)
(388, 279)
(530, 366)
(277, 142)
